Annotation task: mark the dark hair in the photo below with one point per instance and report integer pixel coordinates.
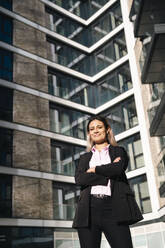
(110, 136)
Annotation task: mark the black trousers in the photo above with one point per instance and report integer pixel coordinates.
(103, 221)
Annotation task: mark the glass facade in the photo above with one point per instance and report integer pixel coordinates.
(65, 197)
(140, 188)
(70, 122)
(88, 64)
(6, 4)
(83, 9)
(6, 147)
(161, 177)
(75, 90)
(157, 90)
(5, 196)
(84, 35)
(134, 149)
(64, 158)
(25, 237)
(6, 29)
(122, 116)
(6, 104)
(6, 65)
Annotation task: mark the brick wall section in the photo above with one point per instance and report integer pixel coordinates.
(33, 10)
(32, 198)
(30, 73)
(30, 110)
(29, 39)
(31, 151)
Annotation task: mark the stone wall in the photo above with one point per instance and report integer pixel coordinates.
(32, 198)
(30, 73)
(29, 39)
(33, 10)
(30, 110)
(31, 151)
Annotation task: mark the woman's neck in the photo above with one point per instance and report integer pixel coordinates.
(101, 146)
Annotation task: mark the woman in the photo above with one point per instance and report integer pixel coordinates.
(106, 203)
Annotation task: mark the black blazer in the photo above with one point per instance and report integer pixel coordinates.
(124, 206)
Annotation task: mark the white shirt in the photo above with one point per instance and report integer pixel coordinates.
(99, 158)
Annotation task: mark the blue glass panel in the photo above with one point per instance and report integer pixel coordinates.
(6, 65)
(6, 142)
(6, 4)
(6, 29)
(5, 196)
(6, 104)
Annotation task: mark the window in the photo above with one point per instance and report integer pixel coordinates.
(6, 65)
(64, 158)
(6, 104)
(68, 122)
(6, 29)
(76, 90)
(161, 177)
(88, 64)
(5, 196)
(25, 237)
(84, 35)
(117, 82)
(140, 188)
(6, 4)
(134, 148)
(65, 197)
(6, 143)
(123, 116)
(114, 50)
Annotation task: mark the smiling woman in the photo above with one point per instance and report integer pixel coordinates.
(106, 202)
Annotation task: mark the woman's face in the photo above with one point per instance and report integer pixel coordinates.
(97, 131)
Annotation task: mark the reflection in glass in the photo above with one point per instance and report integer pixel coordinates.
(84, 35)
(64, 158)
(157, 90)
(65, 197)
(123, 116)
(161, 177)
(83, 9)
(68, 122)
(76, 90)
(73, 58)
(134, 149)
(140, 188)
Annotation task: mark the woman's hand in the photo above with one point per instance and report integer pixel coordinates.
(91, 170)
(116, 160)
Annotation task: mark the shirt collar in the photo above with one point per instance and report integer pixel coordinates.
(103, 149)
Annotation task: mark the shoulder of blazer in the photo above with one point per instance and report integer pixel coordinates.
(86, 155)
(116, 151)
